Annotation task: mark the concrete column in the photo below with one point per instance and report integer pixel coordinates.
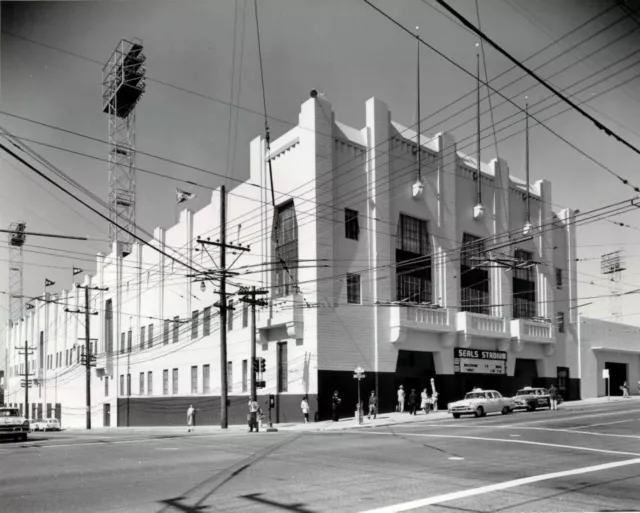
(545, 272)
(159, 238)
(567, 218)
(447, 239)
(501, 281)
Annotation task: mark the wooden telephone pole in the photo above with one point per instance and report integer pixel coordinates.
(222, 272)
(89, 357)
(250, 298)
(26, 383)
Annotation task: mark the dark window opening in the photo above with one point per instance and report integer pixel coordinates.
(108, 326)
(474, 281)
(560, 322)
(524, 286)
(413, 261)
(285, 248)
(558, 278)
(283, 367)
(353, 288)
(351, 224)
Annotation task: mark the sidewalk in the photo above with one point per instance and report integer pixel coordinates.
(384, 419)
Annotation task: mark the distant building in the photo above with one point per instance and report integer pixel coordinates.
(368, 275)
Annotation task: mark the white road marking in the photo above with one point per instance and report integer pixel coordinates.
(506, 440)
(606, 423)
(407, 506)
(570, 419)
(553, 430)
(457, 458)
(515, 436)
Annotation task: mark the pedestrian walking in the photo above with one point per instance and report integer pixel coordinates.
(373, 405)
(401, 399)
(304, 406)
(252, 417)
(424, 401)
(553, 397)
(625, 391)
(413, 402)
(191, 419)
(335, 402)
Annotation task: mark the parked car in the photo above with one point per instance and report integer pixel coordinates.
(45, 425)
(13, 424)
(532, 398)
(480, 402)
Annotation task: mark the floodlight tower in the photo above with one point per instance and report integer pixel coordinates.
(16, 239)
(612, 265)
(123, 84)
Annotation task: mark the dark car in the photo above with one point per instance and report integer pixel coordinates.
(531, 398)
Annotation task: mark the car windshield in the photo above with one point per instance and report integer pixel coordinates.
(475, 395)
(9, 413)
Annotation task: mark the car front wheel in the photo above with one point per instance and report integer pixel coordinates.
(479, 412)
(456, 415)
(506, 410)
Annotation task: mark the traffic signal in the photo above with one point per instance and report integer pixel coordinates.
(256, 365)
(272, 400)
(263, 365)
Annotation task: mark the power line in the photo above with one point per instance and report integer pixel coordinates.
(557, 93)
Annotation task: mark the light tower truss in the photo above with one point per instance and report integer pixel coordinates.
(123, 84)
(16, 240)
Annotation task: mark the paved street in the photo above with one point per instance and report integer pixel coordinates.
(577, 459)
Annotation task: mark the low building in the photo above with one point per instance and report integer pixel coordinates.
(364, 268)
(608, 346)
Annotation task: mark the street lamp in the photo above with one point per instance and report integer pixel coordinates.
(359, 375)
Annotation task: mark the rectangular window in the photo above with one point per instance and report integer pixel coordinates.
(150, 335)
(174, 382)
(230, 317)
(245, 315)
(141, 384)
(165, 382)
(206, 379)
(283, 367)
(106, 386)
(245, 374)
(351, 225)
(166, 332)
(353, 288)
(121, 384)
(129, 341)
(194, 324)
(108, 326)
(66, 358)
(560, 322)
(285, 250)
(206, 325)
(142, 337)
(558, 279)
(41, 352)
(176, 329)
(122, 341)
(128, 385)
(474, 280)
(194, 379)
(524, 286)
(149, 383)
(229, 377)
(413, 261)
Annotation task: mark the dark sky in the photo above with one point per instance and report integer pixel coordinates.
(342, 47)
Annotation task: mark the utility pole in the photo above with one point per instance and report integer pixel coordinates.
(26, 382)
(223, 272)
(253, 302)
(88, 356)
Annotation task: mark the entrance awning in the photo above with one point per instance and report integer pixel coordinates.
(613, 350)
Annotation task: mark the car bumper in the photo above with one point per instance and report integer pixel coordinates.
(13, 430)
(461, 411)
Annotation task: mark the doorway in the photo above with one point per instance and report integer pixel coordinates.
(106, 415)
(617, 376)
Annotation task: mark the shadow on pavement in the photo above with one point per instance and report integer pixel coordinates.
(298, 507)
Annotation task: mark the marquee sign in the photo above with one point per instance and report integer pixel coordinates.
(478, 361)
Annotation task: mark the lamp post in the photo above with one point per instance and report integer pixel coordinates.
(359, 375)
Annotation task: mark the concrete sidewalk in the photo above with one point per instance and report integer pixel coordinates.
(384, 419)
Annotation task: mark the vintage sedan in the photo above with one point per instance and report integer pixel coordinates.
(532, 398)
(480, 402)
(13, 424)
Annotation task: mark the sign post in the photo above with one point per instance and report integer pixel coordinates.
(607, 380)
(359, 374)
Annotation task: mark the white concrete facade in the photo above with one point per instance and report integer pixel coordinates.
(324, 167)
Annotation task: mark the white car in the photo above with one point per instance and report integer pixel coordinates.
(480, 402)
(13, 424)
(46, 425)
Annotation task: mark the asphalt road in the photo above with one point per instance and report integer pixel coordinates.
(584, 460)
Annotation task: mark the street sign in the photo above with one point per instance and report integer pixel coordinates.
(605, 373)
(261, 384)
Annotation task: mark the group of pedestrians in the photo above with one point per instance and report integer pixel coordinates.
(424, 402)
